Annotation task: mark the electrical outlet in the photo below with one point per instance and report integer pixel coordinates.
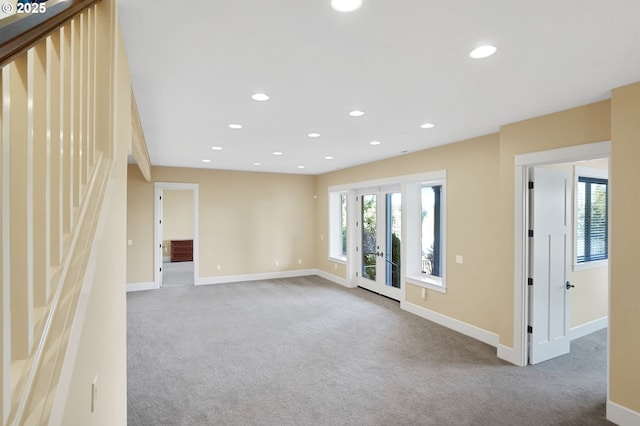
(130, 242)
(94, 394)
(458, 258)
(277, 263)
(299, 261)
(218, 267)
(423, 293)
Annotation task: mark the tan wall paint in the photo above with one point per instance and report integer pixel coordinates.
(248, 221)
(139, 227)
(177, 217)
(625, 234)
(102, 347)
(471, 227)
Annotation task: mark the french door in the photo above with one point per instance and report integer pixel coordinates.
(379, 240)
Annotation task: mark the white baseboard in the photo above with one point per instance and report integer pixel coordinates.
(509, 354)
(588, 328)
(454, 324)
(334, 278)
(254, 277)
(622, 416)
(141, 286)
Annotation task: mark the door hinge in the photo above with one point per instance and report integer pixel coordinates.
(530, 185)
(160, 269)
(530, 233)
(160, 245)
(356, 249)
(529, 329)
(356, 274)
(530, 281)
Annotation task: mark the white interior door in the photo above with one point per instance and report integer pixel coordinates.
(549, 259)
(379, 244)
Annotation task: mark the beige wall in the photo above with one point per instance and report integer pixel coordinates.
(177, 217)
(102, 346)
(247, 221)
(471, 198)
(139, 227)
(625, 233)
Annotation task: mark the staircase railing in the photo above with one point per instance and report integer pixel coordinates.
(56, 152)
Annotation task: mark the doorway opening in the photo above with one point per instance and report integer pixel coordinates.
(176, 234)
(568, 255)
(379, 244)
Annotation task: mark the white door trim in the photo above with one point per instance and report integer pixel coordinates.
(522, 163)
(157, 238)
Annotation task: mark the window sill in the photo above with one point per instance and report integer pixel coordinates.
(341, 260)
(428, 283)
(590, 265)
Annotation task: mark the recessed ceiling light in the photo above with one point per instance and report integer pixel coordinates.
(216, 148)
(346, 5)
(277, 153)
(375, 143)
(314, 135)
(301, 167)
(235, 126)
(206, 160)
(428, 125)
(328, 157)
(482, 52)
(356, 113)
(257, 164)
(260, 97)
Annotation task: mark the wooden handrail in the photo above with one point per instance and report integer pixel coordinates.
(18, 33)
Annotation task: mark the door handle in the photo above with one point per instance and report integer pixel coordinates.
(569, 285)
(379, 254)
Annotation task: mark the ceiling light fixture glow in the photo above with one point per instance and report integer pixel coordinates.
(375, 143)
(277, 153)
(235, 126)
(301, 167)
(257, 164)
(356, 113)
(328, 157)
(314, 135)
(260, 97)
(482, 52)
(346, 5)
(216, 148)
(428, 126)
(206, 161)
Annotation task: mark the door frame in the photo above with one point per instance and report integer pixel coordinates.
(157, 229)
(522, 164)
(380, 192)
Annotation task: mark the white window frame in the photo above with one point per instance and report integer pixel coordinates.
(413, 238)
(335, 226)
(590, 172)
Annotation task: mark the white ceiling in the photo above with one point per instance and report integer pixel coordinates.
(196, 64)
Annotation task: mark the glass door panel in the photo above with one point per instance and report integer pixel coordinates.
(369, 220)
(393, 242)
(380, 242)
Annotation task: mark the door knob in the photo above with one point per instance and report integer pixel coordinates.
(569, 285)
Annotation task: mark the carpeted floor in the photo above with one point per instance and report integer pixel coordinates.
(177, 274)
(304, 351)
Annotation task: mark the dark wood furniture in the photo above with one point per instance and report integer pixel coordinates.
(181, 250)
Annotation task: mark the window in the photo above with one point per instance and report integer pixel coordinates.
(425, 239)
(338, 225)
(431, 230)
(591, 227)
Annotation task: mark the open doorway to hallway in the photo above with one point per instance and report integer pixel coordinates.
(176, 234)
